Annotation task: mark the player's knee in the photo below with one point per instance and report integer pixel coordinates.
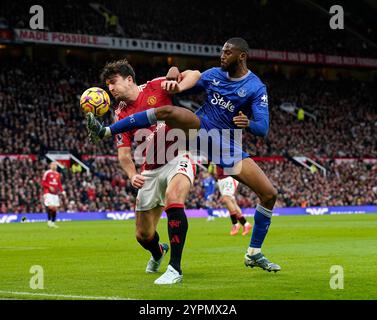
(270, 197)
(165, 112)
(225, 199)
(143, 236)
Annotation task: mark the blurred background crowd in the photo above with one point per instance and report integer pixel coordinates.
(40, 90)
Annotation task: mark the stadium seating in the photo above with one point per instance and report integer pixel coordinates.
(186, 23)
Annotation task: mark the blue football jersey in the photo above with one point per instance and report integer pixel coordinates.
(209, 185)
(227, 96)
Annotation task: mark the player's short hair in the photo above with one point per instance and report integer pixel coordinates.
(240, 44)
(121, 67)
(53, 163)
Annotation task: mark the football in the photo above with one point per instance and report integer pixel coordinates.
(95, 100)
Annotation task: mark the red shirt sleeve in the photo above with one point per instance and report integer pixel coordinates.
(45, 183)
(123, 140)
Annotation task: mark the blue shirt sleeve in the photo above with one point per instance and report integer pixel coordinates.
(259, 124)
(202, 82)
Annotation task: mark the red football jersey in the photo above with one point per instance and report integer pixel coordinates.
(51, 179)
(151, 96)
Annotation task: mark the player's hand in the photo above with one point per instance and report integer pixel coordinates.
(64, 194)
(52, 189)
(170, 86)
(241, 121)
(174, 74)
(137, 181)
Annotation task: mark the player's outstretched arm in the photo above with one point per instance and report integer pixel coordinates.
(185, 81)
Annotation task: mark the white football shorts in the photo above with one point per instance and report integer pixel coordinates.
(51, 200)
(152, 194)
(228, 186)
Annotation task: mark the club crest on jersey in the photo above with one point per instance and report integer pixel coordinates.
(152, 100)
(241, 93)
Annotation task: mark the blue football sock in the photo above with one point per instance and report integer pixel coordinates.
(138, 120)
(210, 211)
(262, 221)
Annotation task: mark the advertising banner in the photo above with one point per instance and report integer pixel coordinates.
(191, 213)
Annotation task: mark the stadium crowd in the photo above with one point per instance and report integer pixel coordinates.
(186, 22)
(39, 113)
(106, 188)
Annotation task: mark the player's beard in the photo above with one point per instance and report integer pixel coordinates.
(119, 97)
(231, 67)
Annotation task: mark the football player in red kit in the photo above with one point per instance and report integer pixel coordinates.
(52, 186)
(163, 185)
(228, 188)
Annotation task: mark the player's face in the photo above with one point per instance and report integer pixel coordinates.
(120, 87)
(54, 166)
(230, 57)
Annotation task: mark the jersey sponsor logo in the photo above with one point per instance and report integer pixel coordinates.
(121, 105)
(215, 83)
(155, 131)
(152, 100)
(241, 92)
(219, 100)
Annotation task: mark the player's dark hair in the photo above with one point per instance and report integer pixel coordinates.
(240, 44)
(121, 67)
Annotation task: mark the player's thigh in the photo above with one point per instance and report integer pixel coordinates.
(178, 117)
(150, 195)
(146, 222)
(180, 177)
(253, 176)
(178, 189)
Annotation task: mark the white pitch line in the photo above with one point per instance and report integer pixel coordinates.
(62, 295)
(22, 248)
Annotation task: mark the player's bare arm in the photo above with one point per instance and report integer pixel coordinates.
(188, 80)
(127, 164)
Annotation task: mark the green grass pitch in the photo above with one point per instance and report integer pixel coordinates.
(85, 260)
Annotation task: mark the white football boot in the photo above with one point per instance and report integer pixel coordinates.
(153, 265)
(170, 276)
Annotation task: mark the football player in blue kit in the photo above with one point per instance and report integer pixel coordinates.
(209, 186)
(235, 99)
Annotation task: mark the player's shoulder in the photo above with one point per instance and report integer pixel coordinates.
(254, 84)
(254, 80)
(154, 84)
(215, 71)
